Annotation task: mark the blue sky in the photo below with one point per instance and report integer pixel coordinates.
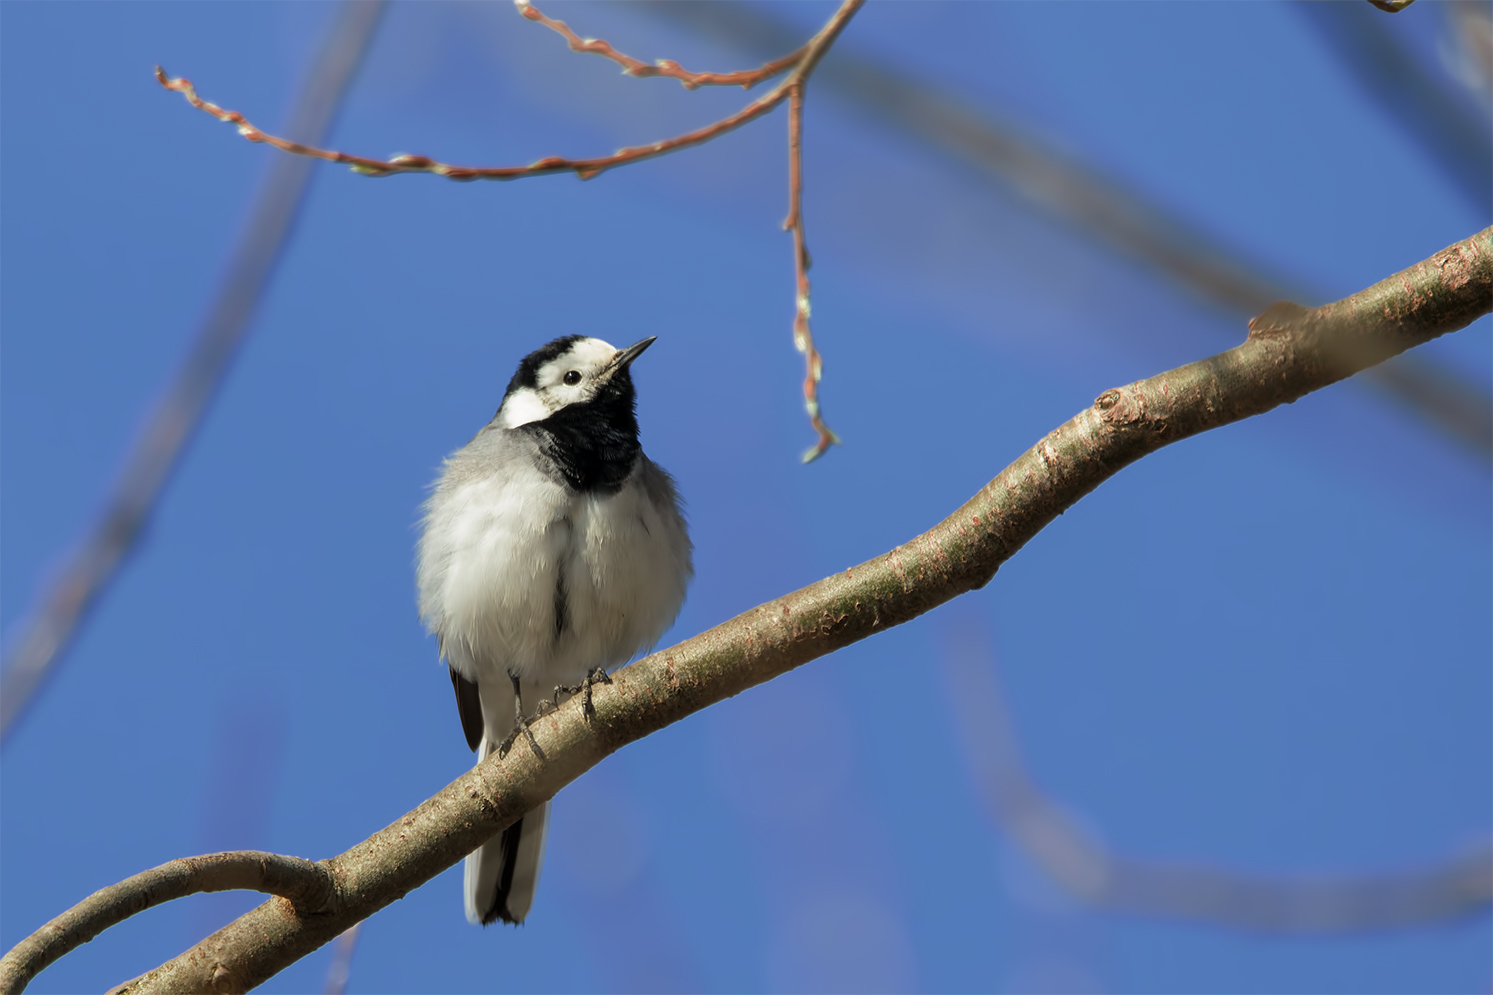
(1267, 648)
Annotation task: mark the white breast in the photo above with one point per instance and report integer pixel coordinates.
(518, 574)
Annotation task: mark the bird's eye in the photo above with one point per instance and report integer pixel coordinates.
(571, 378)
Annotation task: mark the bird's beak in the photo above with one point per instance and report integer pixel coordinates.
(626, 356)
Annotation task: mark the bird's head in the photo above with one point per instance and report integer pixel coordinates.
(573, 370)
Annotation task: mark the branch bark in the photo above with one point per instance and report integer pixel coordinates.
(1290, 352)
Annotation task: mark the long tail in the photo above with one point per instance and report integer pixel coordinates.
(502, 876)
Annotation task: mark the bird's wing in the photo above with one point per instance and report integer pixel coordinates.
(469, 705)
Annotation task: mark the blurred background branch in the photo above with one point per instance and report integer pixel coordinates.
(1474, 28)
(1457, 886)
(342, 961)
(1438, 119)
(64, 603)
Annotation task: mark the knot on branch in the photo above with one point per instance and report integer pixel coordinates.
(1121, 406)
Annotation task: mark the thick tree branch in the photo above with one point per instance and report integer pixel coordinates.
(306, 885)
(1290, 352)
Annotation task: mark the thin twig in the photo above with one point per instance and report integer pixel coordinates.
(584, 168)
(1167, 890)
(803, 338)
(148, 467)
(664, 67)
(803, 62)
(308, 886)
(1290, 352)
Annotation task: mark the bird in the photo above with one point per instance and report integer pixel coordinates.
(552, 550)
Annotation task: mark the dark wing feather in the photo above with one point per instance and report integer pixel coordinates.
(469, 704)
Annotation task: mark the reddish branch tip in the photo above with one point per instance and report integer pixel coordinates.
(803, 336)
(827, 438)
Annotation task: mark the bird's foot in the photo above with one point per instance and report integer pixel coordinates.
(597, 675)
(520, 724)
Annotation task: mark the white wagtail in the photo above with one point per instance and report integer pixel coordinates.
(552, 550)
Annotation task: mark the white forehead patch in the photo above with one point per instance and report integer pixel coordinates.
(587, 356)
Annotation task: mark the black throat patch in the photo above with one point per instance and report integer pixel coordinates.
(592, 446)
